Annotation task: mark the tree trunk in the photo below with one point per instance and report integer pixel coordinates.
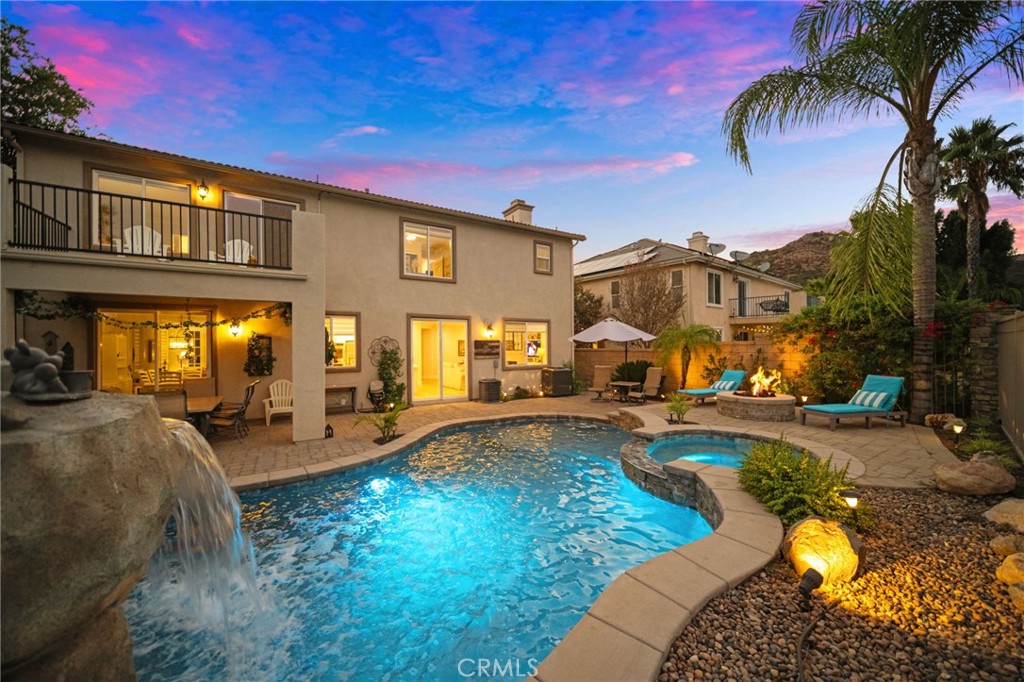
(922, 177)
(974, 221)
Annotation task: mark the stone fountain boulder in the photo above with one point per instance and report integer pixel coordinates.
(87, 487)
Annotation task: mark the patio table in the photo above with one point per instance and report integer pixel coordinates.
(199, 409)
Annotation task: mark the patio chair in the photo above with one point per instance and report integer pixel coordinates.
(602, 375)
(232, 415)
(237, 251)
(140, 240)
(876, 398)
(280, 400)
(649, 389)
(730, 381)
(172, 404)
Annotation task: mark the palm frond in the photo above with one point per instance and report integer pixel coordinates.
(874, 261)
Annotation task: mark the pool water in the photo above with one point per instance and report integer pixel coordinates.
(484, 545)
(723, 451)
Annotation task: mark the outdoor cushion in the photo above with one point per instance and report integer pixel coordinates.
(723, 385)
(699, 391)
(840, 408)
(873, 399)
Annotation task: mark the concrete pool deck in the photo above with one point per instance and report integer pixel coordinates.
(627, 632)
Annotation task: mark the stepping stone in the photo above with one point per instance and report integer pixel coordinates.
(1008, 511)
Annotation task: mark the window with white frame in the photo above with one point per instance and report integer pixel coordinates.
(677, 285)
(342, 343)
(140, 215)
(427, 251)
(542, 257)
(615, 295)
(526, 343)
(714, 288)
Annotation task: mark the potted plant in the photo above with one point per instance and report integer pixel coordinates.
(386, 422)
(678, 404)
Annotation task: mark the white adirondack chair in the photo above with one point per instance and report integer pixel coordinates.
(280, 400)
(140, 240)
(237, 251)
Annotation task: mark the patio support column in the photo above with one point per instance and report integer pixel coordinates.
(308, 255)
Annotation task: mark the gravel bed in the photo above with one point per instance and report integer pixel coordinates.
(927, 607)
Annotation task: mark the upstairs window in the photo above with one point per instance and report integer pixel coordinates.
(140, 215)
(615, 295)
(714, 288)
(677, 285)
(542, 257)
(427, 251)
(256, 230)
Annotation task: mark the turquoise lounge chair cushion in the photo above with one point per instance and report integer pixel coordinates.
(730, 381)
(878, 394)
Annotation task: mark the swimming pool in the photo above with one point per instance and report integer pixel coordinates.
(723, 451)
(486, 543)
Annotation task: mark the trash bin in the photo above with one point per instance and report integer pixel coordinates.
(490, 390)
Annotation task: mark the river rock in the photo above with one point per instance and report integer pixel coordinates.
(1011, 571)
(974, 478)
(825, 546)
(1005, 545)
(87, 487)
(1017, 596)
(1010, 512)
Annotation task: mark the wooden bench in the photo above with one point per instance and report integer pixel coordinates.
(340, 398)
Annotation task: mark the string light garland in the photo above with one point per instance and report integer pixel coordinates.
(32, 304)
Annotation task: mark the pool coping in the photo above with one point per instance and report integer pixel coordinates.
(627, 632)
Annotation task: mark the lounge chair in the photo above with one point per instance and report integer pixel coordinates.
(602, 375)
(730, 381)
(280, 400)
(649, 389)
(876, 398)
(232, 415)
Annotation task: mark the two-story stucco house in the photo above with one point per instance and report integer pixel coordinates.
(724, 294)
(176, 255)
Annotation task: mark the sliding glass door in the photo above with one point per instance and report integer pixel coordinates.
(438, 357)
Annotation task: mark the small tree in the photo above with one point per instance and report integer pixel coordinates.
(587, 306)
(35, 93)
(687, 341)
(388, 370)
(645, 298)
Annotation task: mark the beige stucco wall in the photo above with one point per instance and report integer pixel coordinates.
(346, 259)
(1011, 379)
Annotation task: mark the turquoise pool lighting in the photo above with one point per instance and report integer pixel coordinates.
(486, 543)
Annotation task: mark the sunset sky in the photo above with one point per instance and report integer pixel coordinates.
(605, 116)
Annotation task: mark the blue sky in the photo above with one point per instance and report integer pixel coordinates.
(605, 116)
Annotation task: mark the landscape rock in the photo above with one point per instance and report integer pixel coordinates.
(824, 546)
(1010, 512)
(974, 478)
(1011, 571)
(87, 487)
(1017, 596)
(1005, 545)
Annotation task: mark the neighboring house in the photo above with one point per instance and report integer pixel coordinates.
(734, 299)
(171, 249)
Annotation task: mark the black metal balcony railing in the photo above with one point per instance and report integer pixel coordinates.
(60, 218)
(759, 306)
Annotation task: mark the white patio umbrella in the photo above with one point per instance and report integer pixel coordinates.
(611, 329)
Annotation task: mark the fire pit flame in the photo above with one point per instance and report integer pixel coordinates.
(761, 382)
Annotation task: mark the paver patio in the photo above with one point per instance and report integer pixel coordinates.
(892, 456)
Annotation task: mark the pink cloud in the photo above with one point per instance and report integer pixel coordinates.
(196, 37)
(1008, 207)
(83, 39)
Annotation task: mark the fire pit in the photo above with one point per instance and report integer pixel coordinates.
(760, 403)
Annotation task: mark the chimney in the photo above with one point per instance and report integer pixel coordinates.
(698, 241)
(519, 212)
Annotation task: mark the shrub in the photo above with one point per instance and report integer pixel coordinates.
(794, 486)
(634, 370)
(385, 422)
(678, 405)
(576, 384)
(389, 368)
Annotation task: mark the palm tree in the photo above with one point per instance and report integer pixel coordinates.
(687, 341)
(914, 60)
(973, 158)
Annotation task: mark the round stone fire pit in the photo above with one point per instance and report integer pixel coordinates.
(779, 408)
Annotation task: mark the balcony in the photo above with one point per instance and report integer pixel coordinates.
(759, 306)
(66, 219)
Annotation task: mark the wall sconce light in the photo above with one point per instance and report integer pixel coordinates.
(489, 331)
(235, 329)
(202, 191)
